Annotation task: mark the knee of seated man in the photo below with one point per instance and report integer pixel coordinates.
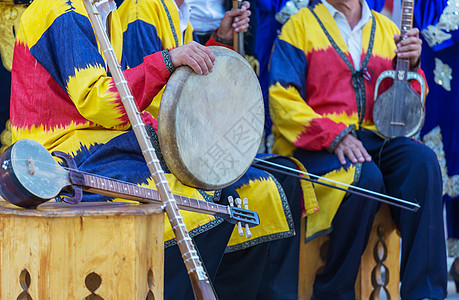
(371, 177)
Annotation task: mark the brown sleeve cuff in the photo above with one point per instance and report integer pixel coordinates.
(167, 60)
(338, 138)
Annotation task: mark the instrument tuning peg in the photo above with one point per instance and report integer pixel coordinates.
(248, 234)
(239, 225)
(230, 200)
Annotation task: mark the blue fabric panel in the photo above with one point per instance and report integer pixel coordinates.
(289, 66)
(428, 12)
(120, 158)
(60, 55)
(5, 92)
(140, 40)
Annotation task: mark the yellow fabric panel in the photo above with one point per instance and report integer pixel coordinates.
(116, 35)
(102, 109)
(289, 112)
(36, 26)
(329, 200)
(264, 199)
(67, 140)
(383, 26)
(294, 32)
(343, 118)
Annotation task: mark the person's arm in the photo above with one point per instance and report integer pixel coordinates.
(235, 20)
(68, 50)
(143, 35)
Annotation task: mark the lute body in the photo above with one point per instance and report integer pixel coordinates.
(399, 111)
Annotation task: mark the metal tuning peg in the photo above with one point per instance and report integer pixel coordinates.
(248, 234)
(230, 200)
(239, 225)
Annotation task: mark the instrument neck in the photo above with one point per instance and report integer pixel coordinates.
(403, 64)
(111, 187)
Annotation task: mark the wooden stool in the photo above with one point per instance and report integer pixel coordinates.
(85, 251)
(382, 253)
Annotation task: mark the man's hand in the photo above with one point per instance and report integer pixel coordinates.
(410, 47)
(352, 148)
(235, 19)
(194, 55)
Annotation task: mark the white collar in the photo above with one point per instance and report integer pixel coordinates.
(366, 12)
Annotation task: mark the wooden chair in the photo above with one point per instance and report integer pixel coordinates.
(379, 267)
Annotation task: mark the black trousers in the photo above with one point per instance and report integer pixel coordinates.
(265, 271)
(403, 168)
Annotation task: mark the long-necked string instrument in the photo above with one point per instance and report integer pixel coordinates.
(400, 110)
(199, 281)
(273, 167)
(238, 37)
(28, 168)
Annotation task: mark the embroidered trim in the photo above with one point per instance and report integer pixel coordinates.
(453, 247)
(167, 60)
(338, 138)
(290, 8)
(449, 21)
(155, 143)
(443, 74)
(196, 231)
(218, 39)
(274, 236)
(434, 141)
(171, 23)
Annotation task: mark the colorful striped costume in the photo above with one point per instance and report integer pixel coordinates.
(312, 99)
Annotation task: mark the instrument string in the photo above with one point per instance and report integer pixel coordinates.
(352, 188)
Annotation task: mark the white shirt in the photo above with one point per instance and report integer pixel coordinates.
(206, 15)
(184, 17)
(352, 36)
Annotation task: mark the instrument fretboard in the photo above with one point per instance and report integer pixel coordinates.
(134, 192)
(407, 16)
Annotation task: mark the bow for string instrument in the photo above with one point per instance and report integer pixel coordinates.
(399, 111)
(273, 167)
(199, 280)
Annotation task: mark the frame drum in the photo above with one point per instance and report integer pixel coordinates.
(210, 126)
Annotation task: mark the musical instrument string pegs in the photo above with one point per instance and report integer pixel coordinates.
(239, 224)
(248, 234)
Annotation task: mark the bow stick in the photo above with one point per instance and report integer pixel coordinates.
(353, 189)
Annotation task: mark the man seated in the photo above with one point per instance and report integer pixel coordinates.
(64, 97)
(324, 68)
(148, 30)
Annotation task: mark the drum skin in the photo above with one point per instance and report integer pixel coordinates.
(210, 126)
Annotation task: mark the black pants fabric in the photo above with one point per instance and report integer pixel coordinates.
(403, 168)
